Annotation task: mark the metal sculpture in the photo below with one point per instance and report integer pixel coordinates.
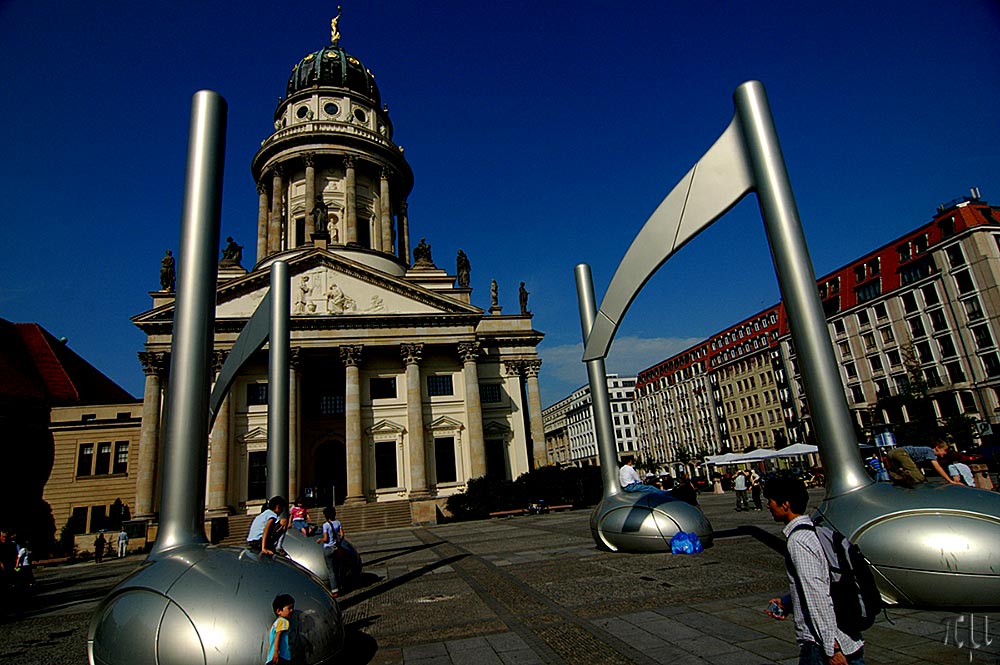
(190, 602)
(629, 521)
(934, 546)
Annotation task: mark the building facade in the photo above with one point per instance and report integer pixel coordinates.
(402, 388)
(569, 424)
(923, 307)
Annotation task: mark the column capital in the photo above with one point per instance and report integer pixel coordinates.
(219, 359)
(295, 357)
(531, 367)
(469, 351)
(384, 173)
(350, 354)
(411, 352)
(403, 207)
(278, 170)
(309, 158)
(261, 188)
(513, 367)
(153, 362)
(348, 161)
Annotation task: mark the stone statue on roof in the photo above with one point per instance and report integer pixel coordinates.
(463, 268)
(167, 272)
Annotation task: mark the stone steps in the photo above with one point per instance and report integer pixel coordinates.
(356, 518)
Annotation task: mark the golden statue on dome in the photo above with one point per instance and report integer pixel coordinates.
(334, 32)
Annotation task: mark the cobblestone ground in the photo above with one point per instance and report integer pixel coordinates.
(537, 590)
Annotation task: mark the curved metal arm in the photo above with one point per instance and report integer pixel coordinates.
(715, 184)
(747, 157)
(251, 340)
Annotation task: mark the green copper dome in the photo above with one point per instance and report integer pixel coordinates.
(333, 67)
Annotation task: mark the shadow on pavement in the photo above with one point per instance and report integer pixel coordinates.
(362, 596)
(776, 543)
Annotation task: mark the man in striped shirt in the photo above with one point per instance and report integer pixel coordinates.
(821, 642)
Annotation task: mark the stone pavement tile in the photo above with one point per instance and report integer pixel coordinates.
(433, 660)
(639, 618)
(502, 642)
(704, 645)
(670, 610)
(523, 656)
(750, 617)
(481, 656)
(919, 627)
(425, 650)
(664, 652)
(887, 638)
(882, 656)
(713, 625)
(771, 648)
(623, 630)
(466, 644)
(670, 630)
(738, 657)
(936, 652)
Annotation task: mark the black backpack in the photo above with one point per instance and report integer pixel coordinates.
(856, 598)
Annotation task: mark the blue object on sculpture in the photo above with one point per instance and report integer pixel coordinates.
(685, 543)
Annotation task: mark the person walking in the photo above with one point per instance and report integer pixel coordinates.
(99, 544)
(740, 485)
(808, 599)
(122, 543)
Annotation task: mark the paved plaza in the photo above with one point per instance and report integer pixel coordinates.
(525, 590)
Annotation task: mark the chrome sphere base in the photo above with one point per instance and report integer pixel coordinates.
(645, 522)
(198, 604)
(935, 546)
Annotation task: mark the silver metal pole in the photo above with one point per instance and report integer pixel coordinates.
(185, 454)
(820, 375)
(601, 403)
(280, 381)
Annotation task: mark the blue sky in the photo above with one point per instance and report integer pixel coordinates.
(541, 135)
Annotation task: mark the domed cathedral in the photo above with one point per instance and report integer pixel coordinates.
(402, 390)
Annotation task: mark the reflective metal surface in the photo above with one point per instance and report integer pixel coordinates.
(208, 605)
(646, 521)
(306, 552)
(934, 546)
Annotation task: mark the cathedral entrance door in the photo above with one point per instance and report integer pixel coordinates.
(330, 472)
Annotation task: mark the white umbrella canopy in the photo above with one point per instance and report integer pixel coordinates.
(796, 450)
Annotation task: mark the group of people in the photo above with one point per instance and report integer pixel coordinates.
(15, 567)
(267, 532)
(904, 467)
(101, 545)
(748, 486)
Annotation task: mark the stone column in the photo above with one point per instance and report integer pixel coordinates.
(518, 452)
(351, 356)
(310, 159)
(415, 419)
(275, 222)
(153, 365)
(404, 234)
(386, 212)
(350, 202)
(261, 221)
(469, 351)
(218, 441)
(294, 433)
(531, 368)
